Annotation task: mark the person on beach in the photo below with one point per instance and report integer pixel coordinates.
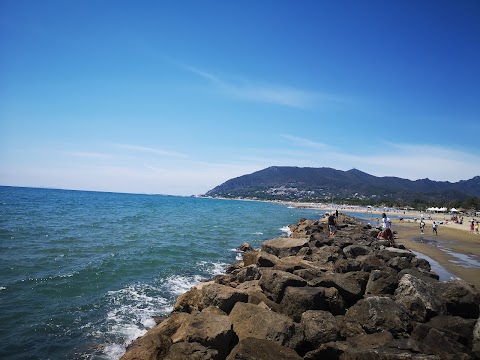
(476, 228)
(387, 223)
(472, 226)
(434, 228)
(332, 226)
(422, 226)
(336, 213)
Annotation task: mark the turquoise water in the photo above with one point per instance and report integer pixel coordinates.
(82, 273)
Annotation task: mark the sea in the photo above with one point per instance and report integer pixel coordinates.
(82, 274)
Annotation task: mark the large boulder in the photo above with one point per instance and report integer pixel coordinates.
(418, 297)
(382, 282)
(476, 339)
(261, 349)
(251, 320)
(379, 313)
(460, 298)
(297, 300)
(429, 340)
(274, 283)
(222, 296)
(351, 286)
(211, 328)
(190, 351)
(353, 251)
(283, 247)
(319, 327)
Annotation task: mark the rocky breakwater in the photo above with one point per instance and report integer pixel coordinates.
(314, 296)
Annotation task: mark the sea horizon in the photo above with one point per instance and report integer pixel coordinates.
(84, 272)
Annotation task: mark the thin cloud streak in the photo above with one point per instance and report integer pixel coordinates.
(150, 150)
(264, 92)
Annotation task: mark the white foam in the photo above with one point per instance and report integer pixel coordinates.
(3, 288)
(213, 268)
(286, 230)
(258, 233)
(239, 257)
(131, 315)
(178, 284)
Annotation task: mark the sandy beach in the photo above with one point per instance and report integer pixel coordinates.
(454, 248)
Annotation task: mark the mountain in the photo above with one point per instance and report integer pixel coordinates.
(295, 183)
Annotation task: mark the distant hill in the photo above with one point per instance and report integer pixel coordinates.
(320, 184)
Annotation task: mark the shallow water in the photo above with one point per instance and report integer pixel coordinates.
(438, 269)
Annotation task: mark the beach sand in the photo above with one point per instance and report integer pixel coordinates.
(454, 247)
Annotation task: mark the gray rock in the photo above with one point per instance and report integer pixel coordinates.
(283, 247)
(190, 351)
(418, 297)
(429, 340)
(274, 283)
(378, 313)
(222, 296)
(319, 327)
(261, 349)
(353, 251)
(351, 286)
(460, 298)
(458, 328)
(297, 300)
(211, 328)
(251, 320)
(382, 282)
(156, 342)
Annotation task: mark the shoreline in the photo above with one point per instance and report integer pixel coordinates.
(278, 300)
(454, 248)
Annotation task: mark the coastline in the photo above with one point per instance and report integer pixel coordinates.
(455, 249)
(278, 300)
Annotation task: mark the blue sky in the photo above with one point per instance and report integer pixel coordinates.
(178, 97)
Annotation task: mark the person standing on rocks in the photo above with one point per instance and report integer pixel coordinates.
(387, 229)
(332, 225)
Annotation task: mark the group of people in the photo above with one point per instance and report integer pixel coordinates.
(434, 227)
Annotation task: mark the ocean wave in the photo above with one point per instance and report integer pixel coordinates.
(131, 315)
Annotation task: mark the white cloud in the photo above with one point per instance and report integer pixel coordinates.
(265, 92)
(410, 161)
(145, 149)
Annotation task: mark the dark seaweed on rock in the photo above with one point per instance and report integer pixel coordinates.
(315, 296)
